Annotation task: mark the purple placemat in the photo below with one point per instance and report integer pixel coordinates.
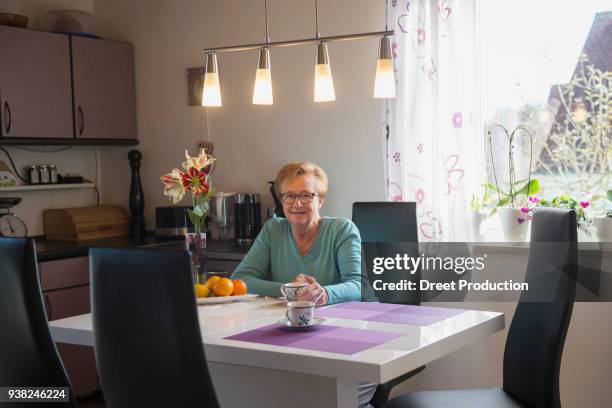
(332, 339)
(389, 313)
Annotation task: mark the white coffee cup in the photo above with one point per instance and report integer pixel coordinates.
(290, 290)
(300, 313)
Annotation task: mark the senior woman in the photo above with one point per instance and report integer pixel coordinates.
(323, 251)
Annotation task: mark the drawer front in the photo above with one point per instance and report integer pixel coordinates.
(67, 302)
(64, 273)
(80, 363)
(217, 265)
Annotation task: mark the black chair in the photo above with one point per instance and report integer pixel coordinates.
(28, 356)
(386, 229)
(534, 346)
(147, 336)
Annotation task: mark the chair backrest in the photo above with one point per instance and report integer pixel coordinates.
(147, 336)
(387, 229)
(532, 358)
(28, 356)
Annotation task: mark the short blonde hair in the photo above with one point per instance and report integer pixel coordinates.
(292, 170)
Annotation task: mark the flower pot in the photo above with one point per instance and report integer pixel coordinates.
(604, 229)
(477, 218)
(195, 242)
(513, 228)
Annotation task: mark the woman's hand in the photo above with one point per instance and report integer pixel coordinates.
(303, 278)
(314, 293)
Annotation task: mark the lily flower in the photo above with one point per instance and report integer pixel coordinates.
(195, 180)
(173, 185)
(200, 162)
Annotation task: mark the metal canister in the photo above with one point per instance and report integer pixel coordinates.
(44, 174)
(53, 173)
(34, 175)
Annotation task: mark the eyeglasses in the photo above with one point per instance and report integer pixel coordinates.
(305, 197)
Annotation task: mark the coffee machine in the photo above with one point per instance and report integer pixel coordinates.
(247, 217)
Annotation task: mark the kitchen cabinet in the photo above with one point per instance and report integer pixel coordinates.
(103, 78)
(65, 286)
(35, 84)
(64, 89)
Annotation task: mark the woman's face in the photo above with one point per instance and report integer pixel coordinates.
(299, 213)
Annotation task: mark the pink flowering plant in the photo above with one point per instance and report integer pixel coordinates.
(517, 192)
(580, 205)
(195, 179)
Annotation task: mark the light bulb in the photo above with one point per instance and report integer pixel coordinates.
(324, 83)
(384, 83)
(211, 91)
(262, 91)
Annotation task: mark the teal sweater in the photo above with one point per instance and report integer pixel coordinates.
(334, 260)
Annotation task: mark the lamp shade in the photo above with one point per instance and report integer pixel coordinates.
(324, 83)
(384, 83)
(262, 90)
(211, 92)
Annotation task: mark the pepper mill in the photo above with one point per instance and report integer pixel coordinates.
(137, 201)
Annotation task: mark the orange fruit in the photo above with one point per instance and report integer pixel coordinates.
(223, 287)
(240, 287)
(201, 291)
(210, 282)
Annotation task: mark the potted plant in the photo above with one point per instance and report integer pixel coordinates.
(567, 201)
(511, 205)
(196, 180)
(478, 214)
(603, 224)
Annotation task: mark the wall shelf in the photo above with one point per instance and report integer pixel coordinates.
(46, 187)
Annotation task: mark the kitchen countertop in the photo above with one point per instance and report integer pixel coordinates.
(48, 250)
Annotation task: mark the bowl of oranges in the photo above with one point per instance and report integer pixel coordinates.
(222, 290)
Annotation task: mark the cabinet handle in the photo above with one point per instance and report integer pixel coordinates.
(81, 120)
(7, 117)
(49, 311)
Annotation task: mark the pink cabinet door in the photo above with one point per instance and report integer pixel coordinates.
(67, 302)
(104, 95)
(64, 273)
(79, 361)
(35, 89)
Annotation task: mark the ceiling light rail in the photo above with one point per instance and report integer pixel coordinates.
(305, 41)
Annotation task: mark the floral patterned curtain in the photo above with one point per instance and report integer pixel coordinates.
(433, 142)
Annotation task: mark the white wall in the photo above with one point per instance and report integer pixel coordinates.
(252, 142)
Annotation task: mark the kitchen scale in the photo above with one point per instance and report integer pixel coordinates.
(11, 225)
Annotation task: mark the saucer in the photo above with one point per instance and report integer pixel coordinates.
(286, 323)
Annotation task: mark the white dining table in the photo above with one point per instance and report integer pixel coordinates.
(249, 374)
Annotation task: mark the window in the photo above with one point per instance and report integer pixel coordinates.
(547, 65)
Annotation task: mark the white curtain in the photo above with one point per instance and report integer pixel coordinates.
(434, 144)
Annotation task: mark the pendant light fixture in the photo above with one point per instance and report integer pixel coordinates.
(384, 83)
(262, 90)
(211, 92)
(324, 82)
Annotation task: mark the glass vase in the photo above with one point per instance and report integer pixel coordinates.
(195, 243)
